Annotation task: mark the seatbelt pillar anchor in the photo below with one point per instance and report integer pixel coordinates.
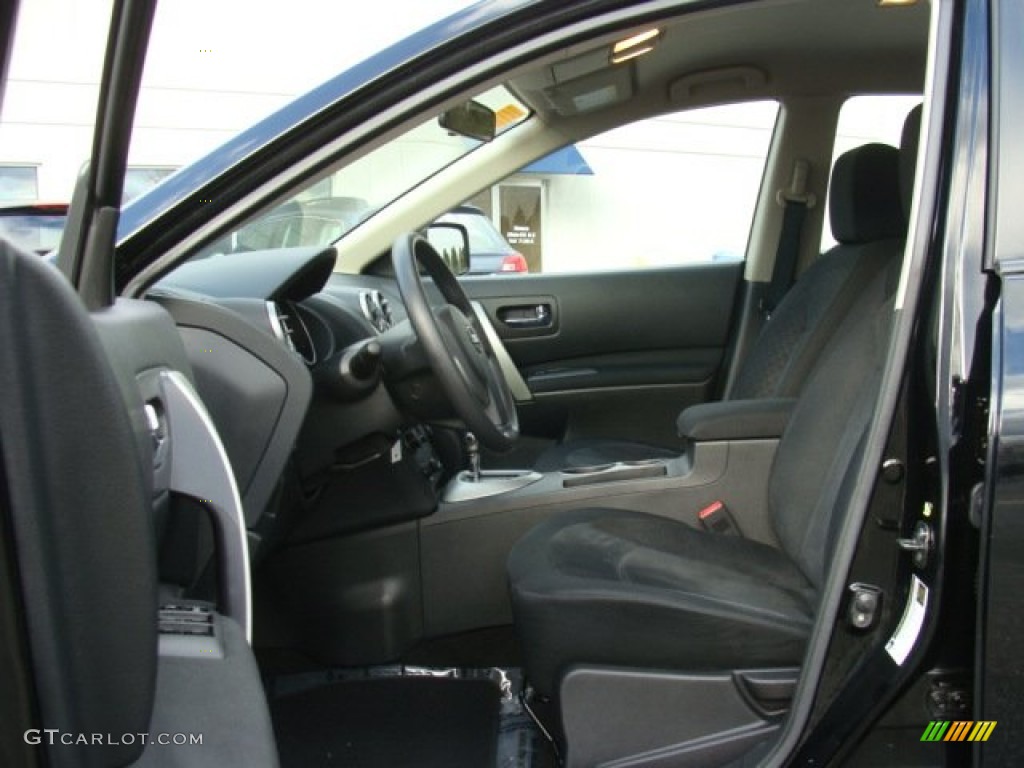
(797, 192)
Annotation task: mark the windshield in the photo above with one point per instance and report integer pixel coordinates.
(213, 69)
(327, 209)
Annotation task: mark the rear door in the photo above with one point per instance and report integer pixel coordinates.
(635, 240)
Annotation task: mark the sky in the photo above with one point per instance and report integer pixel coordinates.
(283, 47)
(225, 45)
(213, 68)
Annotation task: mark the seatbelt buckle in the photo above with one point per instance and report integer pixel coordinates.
(716, 518)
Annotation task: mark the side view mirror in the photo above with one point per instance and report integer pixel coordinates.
(452, 242)
(471, 119)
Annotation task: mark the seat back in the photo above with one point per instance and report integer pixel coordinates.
(99, 427)
(818, 455)
(79, 502)
(864, 209)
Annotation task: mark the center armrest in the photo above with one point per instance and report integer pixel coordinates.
(736, 419)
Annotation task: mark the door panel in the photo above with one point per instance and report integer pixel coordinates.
(613, 354)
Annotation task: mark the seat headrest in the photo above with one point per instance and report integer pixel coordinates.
(908, 156)
(864, 196)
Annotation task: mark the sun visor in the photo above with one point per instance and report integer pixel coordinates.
(611, 85)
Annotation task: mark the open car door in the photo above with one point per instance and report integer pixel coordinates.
(103, 436)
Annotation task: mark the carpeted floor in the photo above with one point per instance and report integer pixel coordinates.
(397, 722)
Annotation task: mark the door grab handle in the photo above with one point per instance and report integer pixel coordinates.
(534, 316)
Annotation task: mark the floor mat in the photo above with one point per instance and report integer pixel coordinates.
(419, 722)
(521, 742)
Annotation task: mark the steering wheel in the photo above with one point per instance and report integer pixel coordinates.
(455, 344)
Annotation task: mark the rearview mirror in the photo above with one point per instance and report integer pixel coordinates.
(471, 119)
(452, 242)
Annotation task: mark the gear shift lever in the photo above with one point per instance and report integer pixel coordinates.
(471, 483)
(473, 454)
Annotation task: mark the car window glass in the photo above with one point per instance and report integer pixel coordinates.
(214, 69)
(19, 183)
(139, 179)
(331, 206)
(865, 119)
(46, 127)
(482, 234)
(671, 190)
(33, 228)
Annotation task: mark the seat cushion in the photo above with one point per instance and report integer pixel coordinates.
(602, 586)
(590, 453)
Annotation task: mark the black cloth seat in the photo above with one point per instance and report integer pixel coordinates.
(608, 587)
(865, 209)
(613, 588)
(633, 589)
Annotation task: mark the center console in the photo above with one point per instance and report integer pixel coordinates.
(470, 485)
(727, 458)
(412, 567)
(467, 486)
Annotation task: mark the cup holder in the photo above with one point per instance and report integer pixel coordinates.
(620, 470)
(592, 469)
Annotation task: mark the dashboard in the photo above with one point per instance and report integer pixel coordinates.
(293, 294)
(312, 378)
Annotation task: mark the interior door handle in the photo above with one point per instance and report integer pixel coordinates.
(531, 316)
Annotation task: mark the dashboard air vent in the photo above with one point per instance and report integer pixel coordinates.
(377, 310)
(288, 326)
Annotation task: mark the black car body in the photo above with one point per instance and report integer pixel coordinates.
(216, 456)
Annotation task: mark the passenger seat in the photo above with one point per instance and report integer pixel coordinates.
(866, 213)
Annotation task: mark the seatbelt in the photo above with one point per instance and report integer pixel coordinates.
(796, 202)
(716, 518)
